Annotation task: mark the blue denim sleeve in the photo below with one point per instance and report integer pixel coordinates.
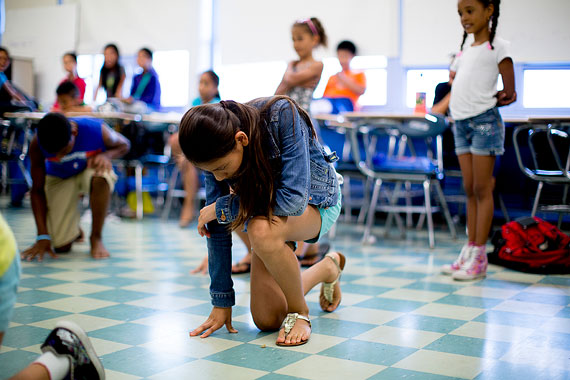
(219, 249)
(227, 208)
(3, 79)
(291, 196)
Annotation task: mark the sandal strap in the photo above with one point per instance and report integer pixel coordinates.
(290, 320)
(330, 256)
(328, 287)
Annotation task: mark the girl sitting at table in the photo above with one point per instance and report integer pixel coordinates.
(112, 75)
(70, 67)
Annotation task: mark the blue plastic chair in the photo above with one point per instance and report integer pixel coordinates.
(415, 158)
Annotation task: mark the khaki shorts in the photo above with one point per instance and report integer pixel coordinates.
(62, 197)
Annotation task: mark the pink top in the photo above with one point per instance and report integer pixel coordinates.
(80, 83)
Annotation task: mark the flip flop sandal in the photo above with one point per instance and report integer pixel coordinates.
(327, 289)
(287, 326)
(315, 257)
(246, 268)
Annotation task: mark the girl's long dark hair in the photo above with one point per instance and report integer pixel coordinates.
(207, 133)
(494, 21)
(216, 79)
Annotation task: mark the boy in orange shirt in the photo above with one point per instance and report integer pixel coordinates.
(347, 83)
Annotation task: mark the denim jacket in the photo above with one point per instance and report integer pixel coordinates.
(307, 177)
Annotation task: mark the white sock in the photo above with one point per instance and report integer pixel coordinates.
(57, 365)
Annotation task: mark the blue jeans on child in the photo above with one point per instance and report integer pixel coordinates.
(483, 135)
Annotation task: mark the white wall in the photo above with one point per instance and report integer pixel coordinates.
(260, 30)
(131, 24)
(43, 42)
(539, 31)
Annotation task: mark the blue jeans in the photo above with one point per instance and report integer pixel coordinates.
(483, 135)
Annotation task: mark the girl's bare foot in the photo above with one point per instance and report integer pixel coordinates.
(334, 274)
(98, 250)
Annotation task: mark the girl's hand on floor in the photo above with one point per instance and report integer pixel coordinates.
(218, 317)
(207, 214)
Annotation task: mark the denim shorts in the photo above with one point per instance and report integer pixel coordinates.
(8, 290)
(483, 135)
(329, 216)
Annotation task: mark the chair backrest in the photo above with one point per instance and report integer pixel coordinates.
(418, 141)
(559, 141)
(541, 155)
(332, 106)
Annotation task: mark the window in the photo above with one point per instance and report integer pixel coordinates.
(374, 68)
(424, 81)
(88, 67)
(547, 88)
(243, 82)
(173, 69)
(171, 66)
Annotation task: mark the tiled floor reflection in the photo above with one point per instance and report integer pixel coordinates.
(399, 318)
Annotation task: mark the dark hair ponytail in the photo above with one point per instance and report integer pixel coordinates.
(218, 124)
(494, 21)
(315, 27)
(216, 79)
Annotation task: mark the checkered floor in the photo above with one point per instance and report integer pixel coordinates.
(399, 317)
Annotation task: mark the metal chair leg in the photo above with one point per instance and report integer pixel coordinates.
(446, 212)
(371, 211)
(564, 198)
(25, 173)
(171, 186)
(429, 216)
(138, 189)
(537, 198)
(347, 199)
(390, 215)
(409, 221)
(365, 201)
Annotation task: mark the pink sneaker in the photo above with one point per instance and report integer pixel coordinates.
(474, 267)
(463, 256)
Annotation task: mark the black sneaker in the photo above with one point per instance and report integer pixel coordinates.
(68, 339)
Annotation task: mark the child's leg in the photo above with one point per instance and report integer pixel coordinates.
(99, 198)
(34, 371)
(190, 183)
(244, 265)
(466, 165)
(276, 285)
(189, 180)
(269, 304)
(483, 184)
(62, 196)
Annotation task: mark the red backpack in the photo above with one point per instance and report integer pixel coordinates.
(532, 245)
